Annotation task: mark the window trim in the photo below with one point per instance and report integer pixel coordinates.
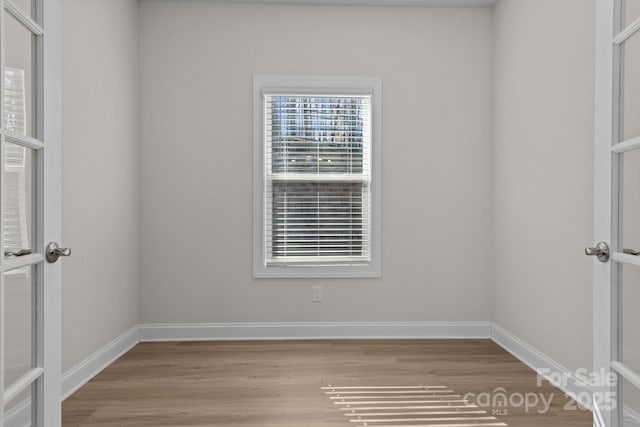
(320, 85)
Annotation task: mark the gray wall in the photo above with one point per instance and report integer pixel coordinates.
(451, 78)
(100, 174)
(543, 174)
(197, 63)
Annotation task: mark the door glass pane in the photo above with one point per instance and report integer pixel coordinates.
(21, 408)
(630, 403)
(630, 89)
(19, 200)
(630, 12)
(629, 288)
(19, 78)
(630, 201)
(19, 323)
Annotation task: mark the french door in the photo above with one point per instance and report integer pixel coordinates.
(30, 212)
(617, 214)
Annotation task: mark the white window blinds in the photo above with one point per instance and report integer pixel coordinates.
(317, 179)
(15, 227)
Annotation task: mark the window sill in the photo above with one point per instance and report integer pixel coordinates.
(316, 272)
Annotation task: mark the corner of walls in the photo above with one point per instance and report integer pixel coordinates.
(91, 366)
(573, 384)
(542, 161)
(100, 175)
(138, 184)
(492, 174)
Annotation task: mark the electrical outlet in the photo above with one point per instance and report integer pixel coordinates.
(317, 294)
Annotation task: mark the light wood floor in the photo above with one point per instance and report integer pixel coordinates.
(279, 384)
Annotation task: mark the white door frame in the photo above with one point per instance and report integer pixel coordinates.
(603, 302)
(52, 218)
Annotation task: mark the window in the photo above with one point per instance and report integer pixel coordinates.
(17, 225)
(317, 184)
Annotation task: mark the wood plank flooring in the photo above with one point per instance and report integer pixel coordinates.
(280, 384)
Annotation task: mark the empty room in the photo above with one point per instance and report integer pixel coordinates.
(278, 213)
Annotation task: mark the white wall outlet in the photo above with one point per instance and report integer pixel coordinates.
(317, 294)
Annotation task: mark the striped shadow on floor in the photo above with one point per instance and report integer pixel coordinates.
(408, 406)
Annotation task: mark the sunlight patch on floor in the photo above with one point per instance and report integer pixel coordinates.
(408, 406)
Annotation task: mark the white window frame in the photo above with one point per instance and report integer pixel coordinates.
(320, 85)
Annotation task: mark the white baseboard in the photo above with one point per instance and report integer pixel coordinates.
(540, 362)
(20, 416)
(83, 372)
(313, 330)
